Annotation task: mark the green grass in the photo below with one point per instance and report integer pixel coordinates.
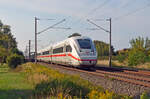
(3, 68)
(13, 85)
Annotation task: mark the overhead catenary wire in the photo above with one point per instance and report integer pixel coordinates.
(45, 19)
(130, 13)
(128, 3)
(93, 10)
(98, 26)
(99, 6)
(127, 14)
(61, 28)
(51, 26)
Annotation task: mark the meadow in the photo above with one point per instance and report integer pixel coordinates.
(13, 85)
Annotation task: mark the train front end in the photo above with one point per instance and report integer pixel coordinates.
(87, 52)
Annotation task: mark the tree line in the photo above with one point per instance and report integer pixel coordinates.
(103, 49)
(8, 46)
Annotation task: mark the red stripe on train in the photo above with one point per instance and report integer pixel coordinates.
(53, 55)
(81, 59)
(61, 55)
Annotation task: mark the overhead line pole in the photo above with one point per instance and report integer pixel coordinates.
(35, 41)
(26, 52)
(29, 48)
(108, 31)
(110, 50)
(36, 33)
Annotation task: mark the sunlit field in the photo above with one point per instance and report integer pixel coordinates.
(116, 63)
(13, 85)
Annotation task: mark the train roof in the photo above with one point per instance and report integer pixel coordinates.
(79, 37)
(69, 39)
(58, 44)
(44, 49)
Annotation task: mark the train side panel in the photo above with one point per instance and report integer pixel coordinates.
(74, 51)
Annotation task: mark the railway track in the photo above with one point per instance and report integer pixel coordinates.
(140, 72)
(141, 78)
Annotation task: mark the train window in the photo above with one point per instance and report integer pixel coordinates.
(46, 52)
(38, 53)
(68, 48)
(84, 43)
(58, 50)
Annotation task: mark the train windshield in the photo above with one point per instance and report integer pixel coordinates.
(84, 43)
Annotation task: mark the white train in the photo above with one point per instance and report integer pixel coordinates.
(75, 51)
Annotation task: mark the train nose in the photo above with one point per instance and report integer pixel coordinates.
(86, 61)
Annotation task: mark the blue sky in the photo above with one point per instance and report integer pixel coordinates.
(130, 19)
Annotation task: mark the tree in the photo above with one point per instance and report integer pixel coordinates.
(16, 51)
(1, 24)
(139, 51)
(3, 54)
(147, 46)
(8, 44)
(6, 29)
(6, 38)
(14, 60)
(103, 48)
(138, 43)
(74, 34)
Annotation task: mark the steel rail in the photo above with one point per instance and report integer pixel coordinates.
(114, 75)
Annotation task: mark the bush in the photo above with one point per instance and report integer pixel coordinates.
(14, 60)
(144, 96)
(94, 94)
(136, 57)
(147, 59)
(121, 57)
(65, 87)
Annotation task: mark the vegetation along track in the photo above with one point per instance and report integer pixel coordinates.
(133, 77)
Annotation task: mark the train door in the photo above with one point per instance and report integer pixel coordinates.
(50, 54)
(68, 51)
(65, 58)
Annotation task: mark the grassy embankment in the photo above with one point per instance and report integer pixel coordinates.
(32, 81)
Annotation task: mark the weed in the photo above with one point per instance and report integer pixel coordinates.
(144, 96)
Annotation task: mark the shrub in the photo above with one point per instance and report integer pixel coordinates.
(65, 87)
(147, 59)
(144, 96)
(14, 60)
(94, 94)
(136, 57)
(121, 57)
